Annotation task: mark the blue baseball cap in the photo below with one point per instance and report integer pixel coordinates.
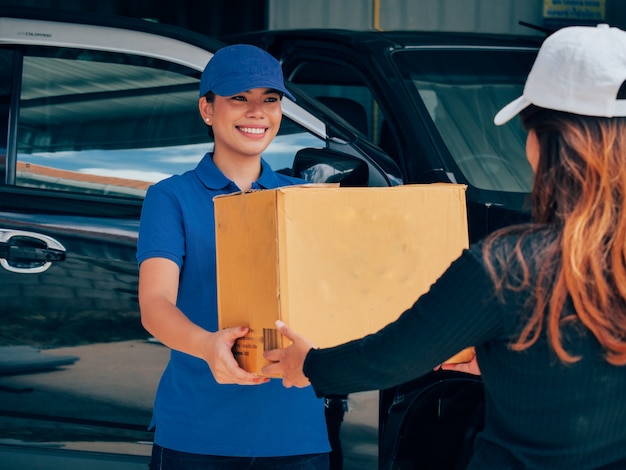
(241, 67)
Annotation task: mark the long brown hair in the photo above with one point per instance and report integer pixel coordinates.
(579, 196)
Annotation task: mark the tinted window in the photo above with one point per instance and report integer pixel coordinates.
(343, 89)
(462, 91)
(104, 123)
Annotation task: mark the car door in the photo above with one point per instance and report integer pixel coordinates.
(91, 116)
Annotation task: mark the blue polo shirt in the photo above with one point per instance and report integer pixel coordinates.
(192, 412)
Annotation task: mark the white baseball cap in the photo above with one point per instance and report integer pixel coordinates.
(579, 70)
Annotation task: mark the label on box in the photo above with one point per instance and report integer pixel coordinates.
(248, 351)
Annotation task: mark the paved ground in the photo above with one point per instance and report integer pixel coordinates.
(115, 378)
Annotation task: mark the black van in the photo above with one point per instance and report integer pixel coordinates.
(95, 109)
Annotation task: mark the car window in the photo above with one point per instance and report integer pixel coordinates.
(343, 89)
(104, 123)
(462, 91)
(346, 90)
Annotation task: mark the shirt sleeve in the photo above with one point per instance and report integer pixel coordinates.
(460, 310)
(161, 233)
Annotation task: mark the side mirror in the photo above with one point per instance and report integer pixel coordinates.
(327, 166)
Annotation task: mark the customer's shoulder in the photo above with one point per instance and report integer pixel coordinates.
(515, 246)
(525, 238)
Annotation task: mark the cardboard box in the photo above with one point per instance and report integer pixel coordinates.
(333, 263)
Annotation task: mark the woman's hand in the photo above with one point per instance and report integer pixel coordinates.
(219, 356)
(158, 290)
(288, 362)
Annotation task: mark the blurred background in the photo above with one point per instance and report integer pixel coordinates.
(221, 17)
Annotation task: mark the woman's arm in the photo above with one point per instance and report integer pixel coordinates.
(158, 287)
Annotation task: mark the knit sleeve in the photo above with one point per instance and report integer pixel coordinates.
(458, 311)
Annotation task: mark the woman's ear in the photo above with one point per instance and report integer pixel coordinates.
(206, 110)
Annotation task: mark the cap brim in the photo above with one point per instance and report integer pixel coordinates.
(229, 89)
(511, 110)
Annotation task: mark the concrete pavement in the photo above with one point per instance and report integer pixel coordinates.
(118, 381)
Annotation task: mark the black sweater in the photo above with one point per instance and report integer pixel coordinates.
(540, 413)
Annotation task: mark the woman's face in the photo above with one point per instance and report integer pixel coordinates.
(244, 124)
(532, 149)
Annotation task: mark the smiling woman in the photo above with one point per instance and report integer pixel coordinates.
(85, 129)
(195, 407)
(243, 126)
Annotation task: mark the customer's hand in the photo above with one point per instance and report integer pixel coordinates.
(219, 355)
(288, 362)
(470, 367)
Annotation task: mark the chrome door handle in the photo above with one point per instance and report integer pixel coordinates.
(28, 252)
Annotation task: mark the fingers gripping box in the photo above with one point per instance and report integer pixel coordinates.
(333, 263)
